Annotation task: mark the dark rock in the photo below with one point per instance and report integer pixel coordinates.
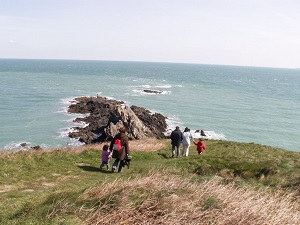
(156, 122)
(23, 144)
(202, 133)
(106, 117)
(153, 91)
(37, 147)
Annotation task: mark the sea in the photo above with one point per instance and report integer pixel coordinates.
(235, 103)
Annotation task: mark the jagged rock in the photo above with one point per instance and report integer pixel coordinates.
(156, 122)
(106, 116)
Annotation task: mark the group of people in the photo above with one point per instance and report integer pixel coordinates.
(184, 138)
(122, 155)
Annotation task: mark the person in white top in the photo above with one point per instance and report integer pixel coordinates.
(186, 142)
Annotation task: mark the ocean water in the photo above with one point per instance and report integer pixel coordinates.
(245, 104)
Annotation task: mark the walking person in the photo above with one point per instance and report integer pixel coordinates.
(176, 139)
(106, 155)
(122, 152)
(200, 146)
(186, 142)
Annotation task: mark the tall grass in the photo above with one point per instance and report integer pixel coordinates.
(161, 198)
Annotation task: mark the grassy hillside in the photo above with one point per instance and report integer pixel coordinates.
(231, 183)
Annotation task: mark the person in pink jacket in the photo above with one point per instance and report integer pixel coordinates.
(106, 155)
(200, 146)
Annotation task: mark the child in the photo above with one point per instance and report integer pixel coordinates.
(106, 155)
(200, 146)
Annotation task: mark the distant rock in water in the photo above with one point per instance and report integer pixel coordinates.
(37, 147)
(23, 144)
(153, 91)
(106, 116)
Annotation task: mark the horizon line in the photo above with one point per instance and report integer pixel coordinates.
(141, 61)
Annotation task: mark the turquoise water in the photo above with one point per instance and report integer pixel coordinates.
(246, 104)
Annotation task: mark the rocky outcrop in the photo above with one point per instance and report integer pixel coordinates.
(106, 116)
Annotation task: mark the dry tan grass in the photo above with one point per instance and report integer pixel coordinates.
(162, 198)
(144, 145)
(147, 145)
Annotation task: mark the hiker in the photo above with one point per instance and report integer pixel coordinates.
(200, 146)
(106, 155)
(176, 139)
(121, 154)
(186, 142)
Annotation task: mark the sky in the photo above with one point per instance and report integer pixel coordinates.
(264, 33)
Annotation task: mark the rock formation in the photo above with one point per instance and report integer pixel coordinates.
(153, 91)
(106, 116)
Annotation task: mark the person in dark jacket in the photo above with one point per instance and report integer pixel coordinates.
(120, 155)
(176, 139)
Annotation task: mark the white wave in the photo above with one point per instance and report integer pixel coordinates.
(211, 135)
(17, 145)
(146, 86)
(173, 121)
(109, 97)
(142, 92)
(28, 146)
(63, 110)
(166, 92)
(164, 86)
(68, 101)
(64, 132)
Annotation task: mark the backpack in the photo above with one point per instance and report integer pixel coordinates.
(117, 145)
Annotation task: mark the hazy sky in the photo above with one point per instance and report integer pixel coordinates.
(226, 32)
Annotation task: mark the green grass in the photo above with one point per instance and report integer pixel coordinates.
(48, 187)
